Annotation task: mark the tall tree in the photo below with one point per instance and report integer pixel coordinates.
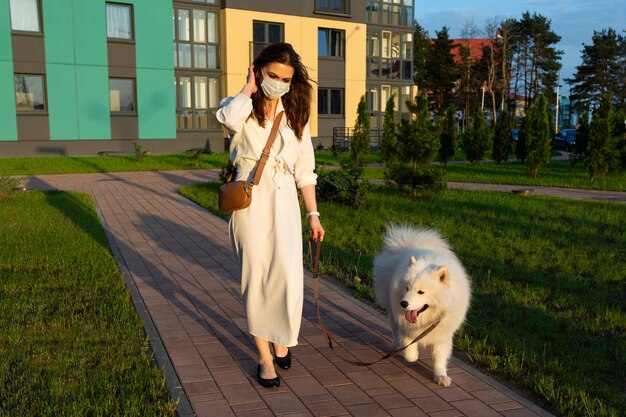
(502, 140)
(360, 144)
(475, 141)
(539, 60)
(420, 46)
(538, 138)
(602, 155)
(506, 42)
(448, 137)
(603, 70)
(441, 71)
(389, 145)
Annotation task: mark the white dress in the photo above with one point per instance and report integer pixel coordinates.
(267, 236)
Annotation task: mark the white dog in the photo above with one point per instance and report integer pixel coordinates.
(419, 280)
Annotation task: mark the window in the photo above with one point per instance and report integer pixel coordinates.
(334, 6)
(330, 42)
(25, 15)
(197, 99)
(119, 21)
(330, 101)
(29, 93)
(122, 95)
(390, 12)
(265, 33)
(195, 39)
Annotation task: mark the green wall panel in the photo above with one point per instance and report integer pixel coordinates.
(156, 97)
(156, 104)
(8, 118)
(62, 105)
(94, 111)
(77, 69)
(59, 35)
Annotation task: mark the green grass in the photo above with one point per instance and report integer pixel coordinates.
(555, 174)
(117, 163)
(548, 278)
(71, 343)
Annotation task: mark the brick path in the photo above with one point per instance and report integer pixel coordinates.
(183, 278)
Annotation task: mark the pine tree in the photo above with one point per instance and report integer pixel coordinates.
(448, 138)
(420, 45)
(475, 142)
(360, 144)
(602, 156)
(602, 70)
(502, 144)
(389, 145)
(418, 142)
(538, 138)
(441, 72)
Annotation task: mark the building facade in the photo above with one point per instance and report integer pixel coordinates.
(91, 76)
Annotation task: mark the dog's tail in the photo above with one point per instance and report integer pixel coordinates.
(402, 236)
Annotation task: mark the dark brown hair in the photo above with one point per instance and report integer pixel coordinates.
(297, 101)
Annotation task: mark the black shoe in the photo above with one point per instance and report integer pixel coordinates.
(285, 361)
(267, 383)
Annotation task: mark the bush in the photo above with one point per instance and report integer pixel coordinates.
(139, 151)
(342, 186)
(419, 181)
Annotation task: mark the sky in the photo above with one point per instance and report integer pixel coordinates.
(573, 20)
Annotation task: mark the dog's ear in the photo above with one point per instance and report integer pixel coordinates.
(442, 274)
(412, 261)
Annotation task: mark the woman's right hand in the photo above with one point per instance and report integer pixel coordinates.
(250, 87)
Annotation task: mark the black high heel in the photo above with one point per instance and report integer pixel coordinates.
(285, 361)
(267, 383)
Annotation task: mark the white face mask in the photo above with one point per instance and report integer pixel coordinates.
(273, 88)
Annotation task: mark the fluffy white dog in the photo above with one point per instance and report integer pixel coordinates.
(419, 280)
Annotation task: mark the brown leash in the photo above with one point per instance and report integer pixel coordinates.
(314, 267)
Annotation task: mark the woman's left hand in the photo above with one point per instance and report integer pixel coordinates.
(317, 231)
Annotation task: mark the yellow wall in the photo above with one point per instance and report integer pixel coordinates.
(301, 32)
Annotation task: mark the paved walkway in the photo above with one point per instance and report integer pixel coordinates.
(183, 278)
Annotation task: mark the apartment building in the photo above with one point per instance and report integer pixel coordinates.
(92, 76)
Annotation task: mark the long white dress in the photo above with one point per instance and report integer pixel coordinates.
(267, 236)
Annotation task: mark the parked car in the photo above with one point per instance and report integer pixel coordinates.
(565, 139)
(515, 134)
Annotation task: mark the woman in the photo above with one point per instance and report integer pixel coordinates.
(267, 236)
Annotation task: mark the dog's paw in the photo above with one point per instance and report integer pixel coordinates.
(443, 380)
(410, 355)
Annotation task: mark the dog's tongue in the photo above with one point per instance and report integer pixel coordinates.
(411, 315)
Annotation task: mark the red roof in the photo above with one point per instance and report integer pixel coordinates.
(475, 46)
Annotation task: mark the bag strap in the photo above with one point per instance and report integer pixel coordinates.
(266, 151)
(314, 268)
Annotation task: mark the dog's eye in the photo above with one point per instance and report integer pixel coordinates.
(420, 292)
(407, 288)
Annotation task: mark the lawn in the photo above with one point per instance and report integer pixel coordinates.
(548, 278)
(555, 174)
(116, 163)
(71, 343)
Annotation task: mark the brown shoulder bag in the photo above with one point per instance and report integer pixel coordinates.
(237, 195)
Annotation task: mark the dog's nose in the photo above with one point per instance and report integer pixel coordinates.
(404, 304)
